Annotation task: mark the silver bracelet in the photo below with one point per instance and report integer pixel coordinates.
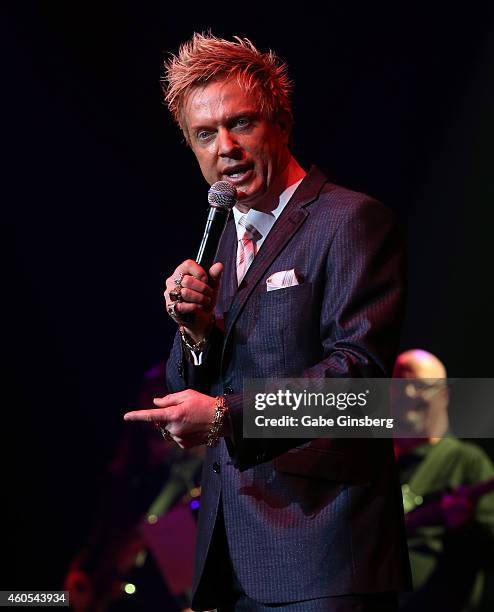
(196, 347)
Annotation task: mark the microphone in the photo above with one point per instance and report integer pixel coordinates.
(222, 197)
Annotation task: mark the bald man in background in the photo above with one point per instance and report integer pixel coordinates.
(447, 560)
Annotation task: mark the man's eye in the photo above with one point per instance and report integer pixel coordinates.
(203, 135)
(242, 122)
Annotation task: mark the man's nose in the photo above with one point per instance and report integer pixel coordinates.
(227, 144)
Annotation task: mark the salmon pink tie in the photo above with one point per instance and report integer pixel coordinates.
(247, 248)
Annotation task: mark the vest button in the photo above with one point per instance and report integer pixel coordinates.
(216, 467)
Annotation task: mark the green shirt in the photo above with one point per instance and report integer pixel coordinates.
(448, 563)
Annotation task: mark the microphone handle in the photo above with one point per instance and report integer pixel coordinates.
(215, 225)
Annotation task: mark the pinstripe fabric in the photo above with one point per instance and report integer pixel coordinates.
(359, 603)
(323, 518)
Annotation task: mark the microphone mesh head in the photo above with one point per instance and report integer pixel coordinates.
(222, 194)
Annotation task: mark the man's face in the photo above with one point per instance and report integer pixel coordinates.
(420, 405)
(232, 141)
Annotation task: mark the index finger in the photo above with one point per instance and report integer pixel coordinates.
(154, 415)
(189, 266)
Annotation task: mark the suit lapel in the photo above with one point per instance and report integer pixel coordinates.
(288, 223)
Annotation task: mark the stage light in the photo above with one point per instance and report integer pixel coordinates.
(130, 588)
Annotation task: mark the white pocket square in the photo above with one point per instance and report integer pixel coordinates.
(280, 280)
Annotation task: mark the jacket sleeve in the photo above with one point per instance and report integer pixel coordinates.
(182, 374)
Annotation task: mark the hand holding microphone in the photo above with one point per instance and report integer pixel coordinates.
(197, 299)
(192, 289)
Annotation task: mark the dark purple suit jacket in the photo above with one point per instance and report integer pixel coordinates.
(324, 517)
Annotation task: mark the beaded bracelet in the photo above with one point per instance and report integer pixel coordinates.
(219, 416)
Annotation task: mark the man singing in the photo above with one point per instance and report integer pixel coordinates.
(311, 527)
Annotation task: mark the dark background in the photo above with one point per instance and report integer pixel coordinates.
(103, 199)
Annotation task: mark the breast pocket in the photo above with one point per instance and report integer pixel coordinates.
(287, 307)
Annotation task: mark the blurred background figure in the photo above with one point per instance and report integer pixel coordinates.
(449, 513)
(139, 553)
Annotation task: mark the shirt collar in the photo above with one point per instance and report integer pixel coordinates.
(262, 221)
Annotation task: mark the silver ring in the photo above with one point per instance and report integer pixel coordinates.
(179, 279)
(171, 311)
(164, 432)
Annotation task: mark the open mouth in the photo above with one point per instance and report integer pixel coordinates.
(238, 174)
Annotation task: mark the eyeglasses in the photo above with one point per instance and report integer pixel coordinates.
(423, 388)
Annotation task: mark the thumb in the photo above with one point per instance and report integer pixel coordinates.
(215, 273)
